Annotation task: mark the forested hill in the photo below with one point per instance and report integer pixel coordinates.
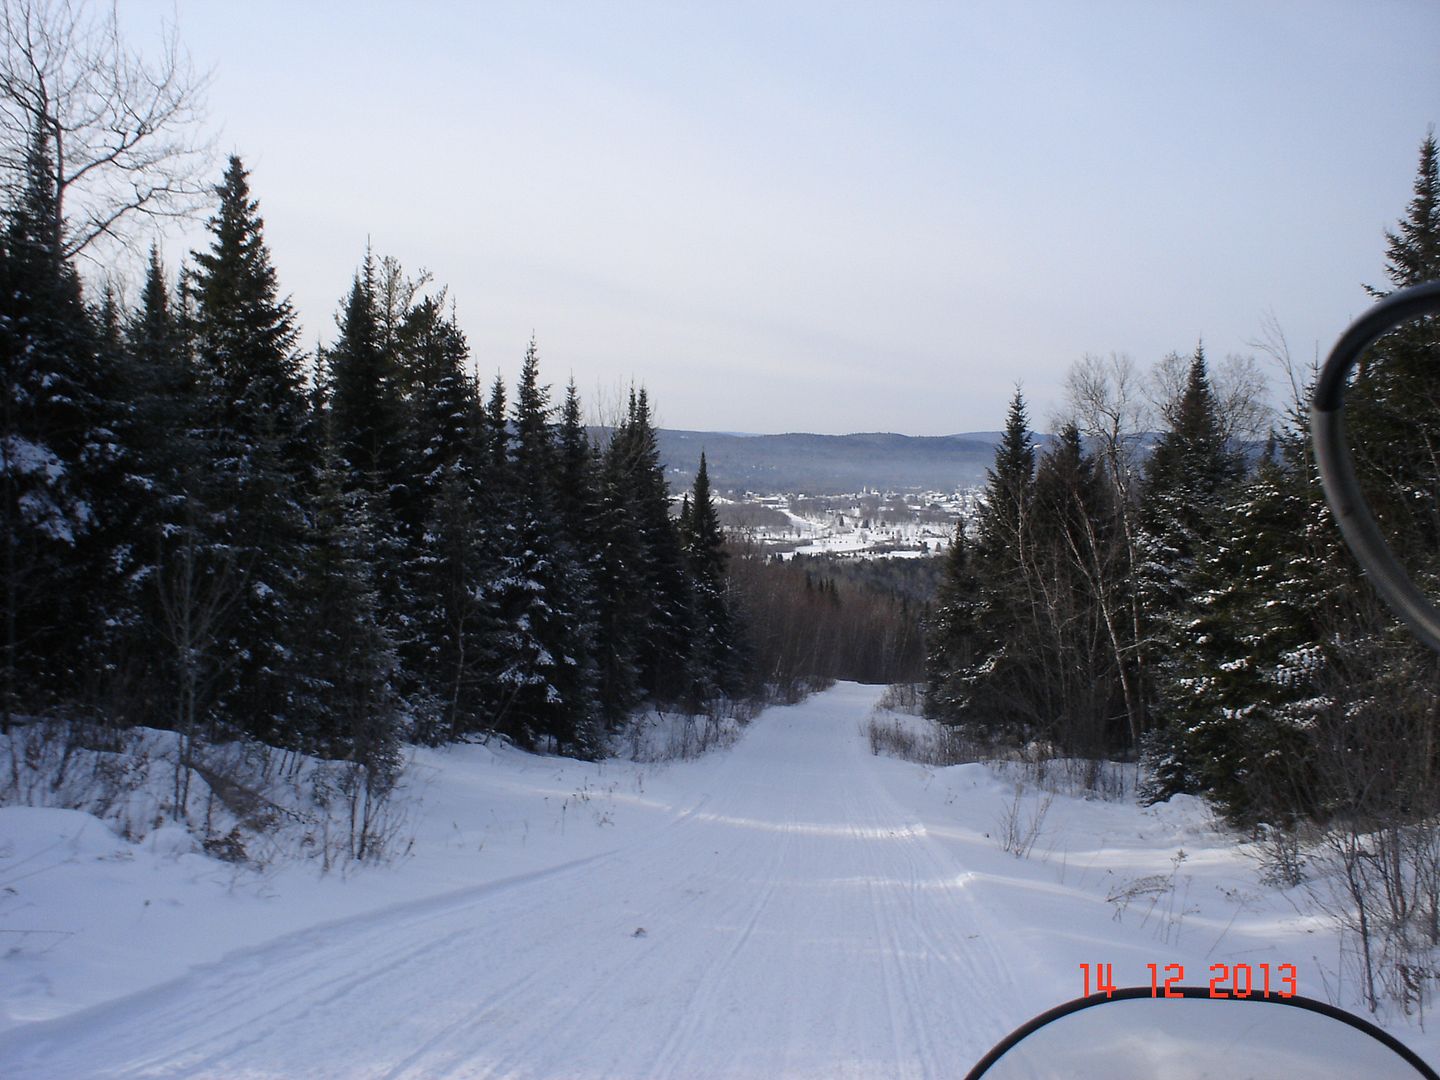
(827, 464)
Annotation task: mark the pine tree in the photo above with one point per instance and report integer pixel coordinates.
(546, 669)
(1182, 516)
(1261, 649)
(621, 602)
(714, 658)
(449, 625)
(366, 422)
(952, 633)
(653, 620)
(245, 332)
(1392, 407)
(576, 487)
(365, 404)
(255, 429)
(998, 685)
(1412, 250)
(345, 703)
(55, 453)
(495, 441)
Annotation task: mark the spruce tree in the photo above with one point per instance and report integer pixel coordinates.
(261, 469)
(447, 647)
(244, 330)
(576, 486)
(1289, 691)
(364, 395)
(546, 672)
(952, 633)
(1187, 479)
(56, 453)
(345, 704)
(715, 665)
(622, 606)
(1261, 647)
(1001, 677)
(1391, 688)
(1393, 406)
(1412, 250)
(184, 577)
(366, 423)
(655, 618)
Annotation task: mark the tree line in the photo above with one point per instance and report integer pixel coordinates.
(1186, 598)
(207, 530)
(811, 620)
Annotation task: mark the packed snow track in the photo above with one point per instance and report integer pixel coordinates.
(788, 922)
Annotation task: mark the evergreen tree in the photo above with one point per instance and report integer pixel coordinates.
(1392, 407)
(245, 332)
(1188, 468)
(998, 685)
(255, 428)
(576, 494)
(714, 659)
(654, 619)
(1391, 684)
(366, 422)
(1261, 650)
(365, 404)
(577, 504)
(621, 602)
(1412, 250)
(56, 453)
(170, 480)
(1182, 516)
(546, 670)
(1288, 691)
(345, 704)
(495, 442)
(450, 627)
(952, 633)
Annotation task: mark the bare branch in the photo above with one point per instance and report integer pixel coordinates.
(1108, 407)
(123, 127)
(1242, 399)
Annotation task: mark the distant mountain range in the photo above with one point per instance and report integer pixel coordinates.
(829, 464)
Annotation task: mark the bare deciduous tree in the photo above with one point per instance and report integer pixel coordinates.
(1105, 399)
(1104, 395)
(122, 129)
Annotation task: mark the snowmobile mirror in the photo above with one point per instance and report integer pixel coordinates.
(1133, 1035)
(1337, 473)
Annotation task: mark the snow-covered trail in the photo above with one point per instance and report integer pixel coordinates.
(790, 921)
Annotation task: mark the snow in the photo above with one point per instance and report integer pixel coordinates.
(790, 906)
(840, 525)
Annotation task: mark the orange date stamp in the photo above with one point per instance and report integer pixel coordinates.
(1225, 980)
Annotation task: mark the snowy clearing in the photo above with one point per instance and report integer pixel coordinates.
(792, 906)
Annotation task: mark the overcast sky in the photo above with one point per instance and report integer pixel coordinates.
(829, 217)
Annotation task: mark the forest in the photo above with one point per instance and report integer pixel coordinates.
(1191, 604)
(210, 530)
(336, 553)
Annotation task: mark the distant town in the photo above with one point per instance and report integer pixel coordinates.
(868, 524)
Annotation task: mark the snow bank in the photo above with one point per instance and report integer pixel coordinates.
(791, 906)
